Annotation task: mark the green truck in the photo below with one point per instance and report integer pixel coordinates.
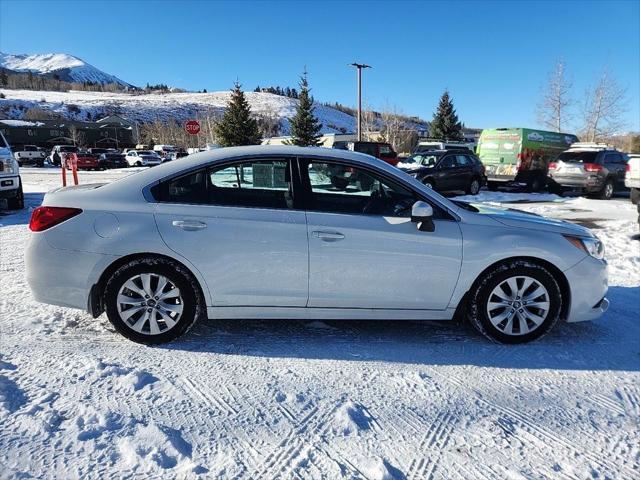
(520, 156)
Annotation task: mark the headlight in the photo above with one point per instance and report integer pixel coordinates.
(592, 245)
(8, 165)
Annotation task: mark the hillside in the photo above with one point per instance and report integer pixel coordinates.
(63, 66)
(160, 106)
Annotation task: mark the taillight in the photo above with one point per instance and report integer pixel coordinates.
(592, 167)
(553, 165)
(627, 168)
(43, 218)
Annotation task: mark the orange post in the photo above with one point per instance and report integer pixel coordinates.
(63, 161)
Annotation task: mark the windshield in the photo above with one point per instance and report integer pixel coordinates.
(422, 160)
(578, 157)
(69, 149)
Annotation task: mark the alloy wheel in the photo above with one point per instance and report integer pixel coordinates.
(149, 303)
(518, 305)
(475, 187)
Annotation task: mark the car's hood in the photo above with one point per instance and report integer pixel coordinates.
(420, 169)
(521, 219)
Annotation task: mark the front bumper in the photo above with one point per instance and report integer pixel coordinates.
(9, 186)
(588, 282)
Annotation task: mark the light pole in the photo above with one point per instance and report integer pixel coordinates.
(360, 66)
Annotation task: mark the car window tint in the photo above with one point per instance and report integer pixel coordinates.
(339, 188)
(368, 148)
(254, 183)
(448, 162)
(462, 160)
(189, 188)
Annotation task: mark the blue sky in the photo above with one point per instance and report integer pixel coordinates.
(492, 56)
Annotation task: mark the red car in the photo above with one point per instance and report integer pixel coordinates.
(84, 160)
(381, 150)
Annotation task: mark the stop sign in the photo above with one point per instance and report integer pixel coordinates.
(192, 127)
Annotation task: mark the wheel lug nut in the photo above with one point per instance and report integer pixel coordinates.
(148, 310)
(155, 298)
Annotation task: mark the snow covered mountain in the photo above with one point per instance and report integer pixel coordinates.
(149, 107)
(67, 67)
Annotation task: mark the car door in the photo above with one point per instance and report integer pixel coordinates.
(364, 251)
(445, 173)
(239, 225)
(464, 171)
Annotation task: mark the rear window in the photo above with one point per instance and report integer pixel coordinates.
(70, 149)
(578, 157)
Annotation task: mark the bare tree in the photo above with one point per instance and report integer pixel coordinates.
(554, 105)
(603, 108)
(393, 128)
(369, 122)
(78, 137)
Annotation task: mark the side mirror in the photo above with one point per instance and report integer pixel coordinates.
(422, 214)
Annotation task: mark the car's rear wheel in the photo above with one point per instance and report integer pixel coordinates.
(152, 300)
(607, 190)
(515, 302)
(474, 187)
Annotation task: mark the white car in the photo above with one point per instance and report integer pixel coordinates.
(142, 158)
(10, 182)
(264, 232)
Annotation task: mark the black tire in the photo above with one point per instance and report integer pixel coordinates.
(474, 186)
(484, 286)
(428, 182)
(191, 298)
(17, 202)
(534, 185)
(607, 190)
(138, 163)
(493, 186)
(634, 196)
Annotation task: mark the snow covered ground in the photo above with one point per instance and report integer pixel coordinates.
(284, 399)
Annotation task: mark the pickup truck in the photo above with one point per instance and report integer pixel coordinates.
(29, 154)
(10, 182)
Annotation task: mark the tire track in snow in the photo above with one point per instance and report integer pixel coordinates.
(542, 434)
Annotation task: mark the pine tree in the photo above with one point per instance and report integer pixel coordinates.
(305, 127)
(445, 124)
(237, 127)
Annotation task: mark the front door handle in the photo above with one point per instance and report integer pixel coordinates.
(328, 236)
(189, 225)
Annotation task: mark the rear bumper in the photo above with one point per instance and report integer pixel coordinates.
(588, 183)
(588, 281)
(60, 277)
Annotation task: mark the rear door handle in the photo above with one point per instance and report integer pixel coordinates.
(189, 225)
(328, 236)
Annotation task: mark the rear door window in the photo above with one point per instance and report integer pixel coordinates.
(578, 157)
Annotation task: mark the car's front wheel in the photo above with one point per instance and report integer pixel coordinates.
(152, 300)
(515, 302)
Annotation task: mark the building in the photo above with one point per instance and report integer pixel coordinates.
(109, 132)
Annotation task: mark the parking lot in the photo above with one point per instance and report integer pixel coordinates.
(305, 399)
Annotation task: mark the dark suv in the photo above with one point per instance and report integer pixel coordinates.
(446, 170)
(381, 150)
(594, 169)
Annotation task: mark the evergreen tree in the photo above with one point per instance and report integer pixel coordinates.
(305, 127)
(204, 90)
(445, 124)
(236, 126)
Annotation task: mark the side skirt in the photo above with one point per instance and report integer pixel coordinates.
(327, 313)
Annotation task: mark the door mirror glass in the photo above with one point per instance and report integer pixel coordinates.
(422, 214)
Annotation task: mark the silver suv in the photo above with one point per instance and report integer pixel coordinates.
(593, 168)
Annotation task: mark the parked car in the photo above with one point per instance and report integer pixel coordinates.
(84, 160)
(428, 145)
(592, 168)
(142, 158)
(29, 155)
(99, 151)
(381, 150)
(260, 232)
(446, 170)
(519, 157)
(109, 160)
(10, 181)
(632, 181)
(58, 150)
